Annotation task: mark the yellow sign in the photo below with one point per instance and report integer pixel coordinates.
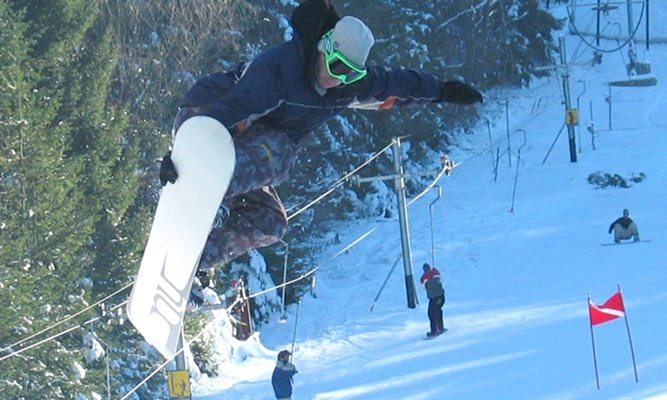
(572, 116)
(179, 385)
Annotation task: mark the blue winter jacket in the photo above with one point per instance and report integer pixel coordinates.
(282, 379)
(278, 89)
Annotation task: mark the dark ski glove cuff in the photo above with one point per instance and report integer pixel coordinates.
(167, 170)
(458, 92)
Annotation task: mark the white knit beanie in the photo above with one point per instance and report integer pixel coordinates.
(353, 38)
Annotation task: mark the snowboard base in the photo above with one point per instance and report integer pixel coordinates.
(204, 159)
(625, 242)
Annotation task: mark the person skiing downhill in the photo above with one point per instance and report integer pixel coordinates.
(270, 105)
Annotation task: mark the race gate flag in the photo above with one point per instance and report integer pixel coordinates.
(610, 310)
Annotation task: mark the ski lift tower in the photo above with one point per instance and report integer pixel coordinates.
(634, 68)
(634, 65)
(637, 71)
(398, 177)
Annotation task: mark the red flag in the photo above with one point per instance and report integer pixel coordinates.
(610, 310)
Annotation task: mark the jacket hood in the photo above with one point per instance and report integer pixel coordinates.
(311, 20)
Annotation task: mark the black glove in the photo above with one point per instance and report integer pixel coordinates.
(458, 92)
(167, 170)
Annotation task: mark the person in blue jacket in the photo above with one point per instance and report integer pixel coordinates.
(271, 104)
(282, 377)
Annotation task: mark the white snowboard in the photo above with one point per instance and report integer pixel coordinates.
(625, 242)
(204, 159)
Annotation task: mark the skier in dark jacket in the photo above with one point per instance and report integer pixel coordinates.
(282, 376)
(271, 104)
(624, 228)
(436, 299)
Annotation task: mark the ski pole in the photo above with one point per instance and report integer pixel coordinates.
(391, 271)
(296, 322)
(430, 211)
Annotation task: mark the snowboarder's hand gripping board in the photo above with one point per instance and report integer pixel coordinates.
(204, 158)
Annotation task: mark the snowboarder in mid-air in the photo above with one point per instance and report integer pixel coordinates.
(624, 228)
(270, 105)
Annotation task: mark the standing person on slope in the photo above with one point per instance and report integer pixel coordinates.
(436, 299)
(270, 105)
(283, 375)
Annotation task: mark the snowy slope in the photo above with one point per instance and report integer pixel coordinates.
(517, 282)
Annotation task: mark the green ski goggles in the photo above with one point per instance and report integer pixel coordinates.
(339, 66)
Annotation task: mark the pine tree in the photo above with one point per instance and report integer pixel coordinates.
(68, 181)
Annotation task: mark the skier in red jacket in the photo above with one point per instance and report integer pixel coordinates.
(436, 299)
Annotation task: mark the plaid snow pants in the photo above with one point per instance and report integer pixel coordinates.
(257, 218)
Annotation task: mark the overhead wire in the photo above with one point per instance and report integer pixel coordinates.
(66, 319)
(576, 53)
(338, 183)
(15, 353)
(365, 235)
(36, 344)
